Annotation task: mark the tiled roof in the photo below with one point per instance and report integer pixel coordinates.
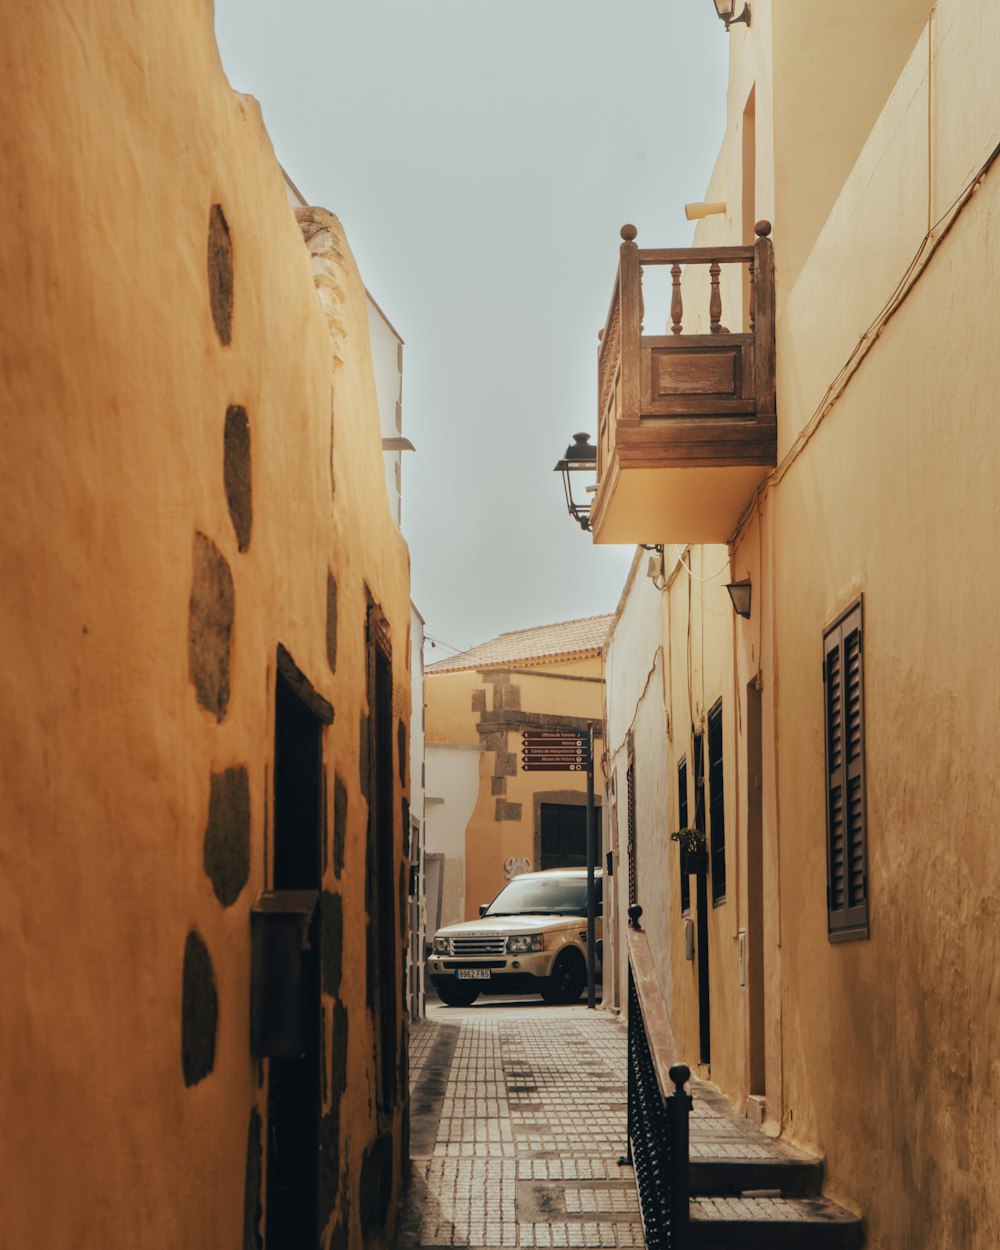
(564, 640)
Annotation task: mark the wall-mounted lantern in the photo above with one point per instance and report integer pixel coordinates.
(726, 9)
(739, 592)
(580, 457)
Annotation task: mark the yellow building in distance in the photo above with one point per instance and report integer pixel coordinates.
(487, 819)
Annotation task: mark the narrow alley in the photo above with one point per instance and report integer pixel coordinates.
(518, 1122)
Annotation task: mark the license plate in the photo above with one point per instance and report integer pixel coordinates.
(473, 974)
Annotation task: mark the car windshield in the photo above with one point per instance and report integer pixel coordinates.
(532, 896)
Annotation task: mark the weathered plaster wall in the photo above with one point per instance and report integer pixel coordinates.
(635, 665)
(878, 1051)
(452, 790)
(155, 552)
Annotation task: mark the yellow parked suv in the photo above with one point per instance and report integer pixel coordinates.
(532, 939)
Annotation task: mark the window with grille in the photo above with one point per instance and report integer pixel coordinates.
(716, 805)
(846, 826)
(682, 823)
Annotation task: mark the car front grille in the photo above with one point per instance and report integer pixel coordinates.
(477, 946)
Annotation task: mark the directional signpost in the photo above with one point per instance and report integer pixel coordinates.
(566, 751)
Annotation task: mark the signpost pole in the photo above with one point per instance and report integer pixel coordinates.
(591, 864)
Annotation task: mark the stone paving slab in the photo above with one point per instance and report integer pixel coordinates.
(523, 1136)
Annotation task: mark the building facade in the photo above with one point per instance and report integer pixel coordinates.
(487, 818)
(834, 459)
(204, 767)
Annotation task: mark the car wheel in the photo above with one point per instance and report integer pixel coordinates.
(569, 976)
(457, 995)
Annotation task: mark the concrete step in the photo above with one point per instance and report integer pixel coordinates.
(745, 1223)
(793, 1175)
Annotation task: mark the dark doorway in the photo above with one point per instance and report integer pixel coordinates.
(704, 1006)
(294, 1090)
(755, 889)
(384, 975)
(563, 835)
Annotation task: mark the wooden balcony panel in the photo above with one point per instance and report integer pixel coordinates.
(686, 422)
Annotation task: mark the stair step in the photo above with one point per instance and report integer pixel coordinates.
(773, 1224)
(795, 1175)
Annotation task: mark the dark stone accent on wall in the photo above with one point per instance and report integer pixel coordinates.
(479, 700)
(498, 785)
(339, 823)
(227, 835)
(494, 723)
(329, 1162)
(495, 676)
(236, 473)
(401, 746)
(365, 759)
(331, 916)
(508, 811)
(506, 765)
(340, 1237)
(494, 741)
(199, 1011)
(331, 621)
(220, 274)
(210, 626)
(303, 687)
(375, 1191)
(252, 1209)
(506, 697)
(338, 1061)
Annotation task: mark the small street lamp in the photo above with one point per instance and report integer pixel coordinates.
(726, 10)
(580, 457)
(739, 592)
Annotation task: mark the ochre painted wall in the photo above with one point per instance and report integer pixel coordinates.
(119, 135)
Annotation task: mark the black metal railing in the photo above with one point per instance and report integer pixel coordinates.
(658, 1108)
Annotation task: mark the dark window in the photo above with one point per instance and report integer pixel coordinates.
(630, 790)
(716, 804)
(682, 823)
(564, 836)
(846, 829)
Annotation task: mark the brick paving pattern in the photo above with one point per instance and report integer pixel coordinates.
(520, 1145)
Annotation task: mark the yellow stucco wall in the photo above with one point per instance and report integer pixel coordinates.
(878, 1051)
(477, 706)
(119, 135)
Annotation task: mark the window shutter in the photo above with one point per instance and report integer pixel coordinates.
(630, 807)
(716, 804)
(847, 867)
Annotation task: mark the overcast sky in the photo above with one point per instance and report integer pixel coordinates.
(482, 156)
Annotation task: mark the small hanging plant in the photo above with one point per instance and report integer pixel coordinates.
(692, 841)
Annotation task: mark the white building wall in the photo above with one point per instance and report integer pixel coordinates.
(452, 791)
(635, 694)
(415, 984)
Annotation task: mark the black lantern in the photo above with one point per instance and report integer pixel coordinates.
(739, 592)
(727, 8)
(580, 457)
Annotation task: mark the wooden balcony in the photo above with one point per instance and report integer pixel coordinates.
(686, 421)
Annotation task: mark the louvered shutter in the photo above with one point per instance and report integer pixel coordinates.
(847, 852)
(633, 892)
(682, 823)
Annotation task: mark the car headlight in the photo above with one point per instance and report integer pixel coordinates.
(525, 943)
(440, 946)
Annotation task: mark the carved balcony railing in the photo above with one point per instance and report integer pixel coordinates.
(700, 404)
(658, 1107)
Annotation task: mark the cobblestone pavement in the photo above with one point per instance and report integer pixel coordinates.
(517, 1122)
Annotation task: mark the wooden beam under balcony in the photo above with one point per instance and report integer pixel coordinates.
(687, 427)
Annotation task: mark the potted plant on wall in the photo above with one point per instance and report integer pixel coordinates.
(694, 851)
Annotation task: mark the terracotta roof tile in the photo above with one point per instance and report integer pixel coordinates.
(563, 640)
